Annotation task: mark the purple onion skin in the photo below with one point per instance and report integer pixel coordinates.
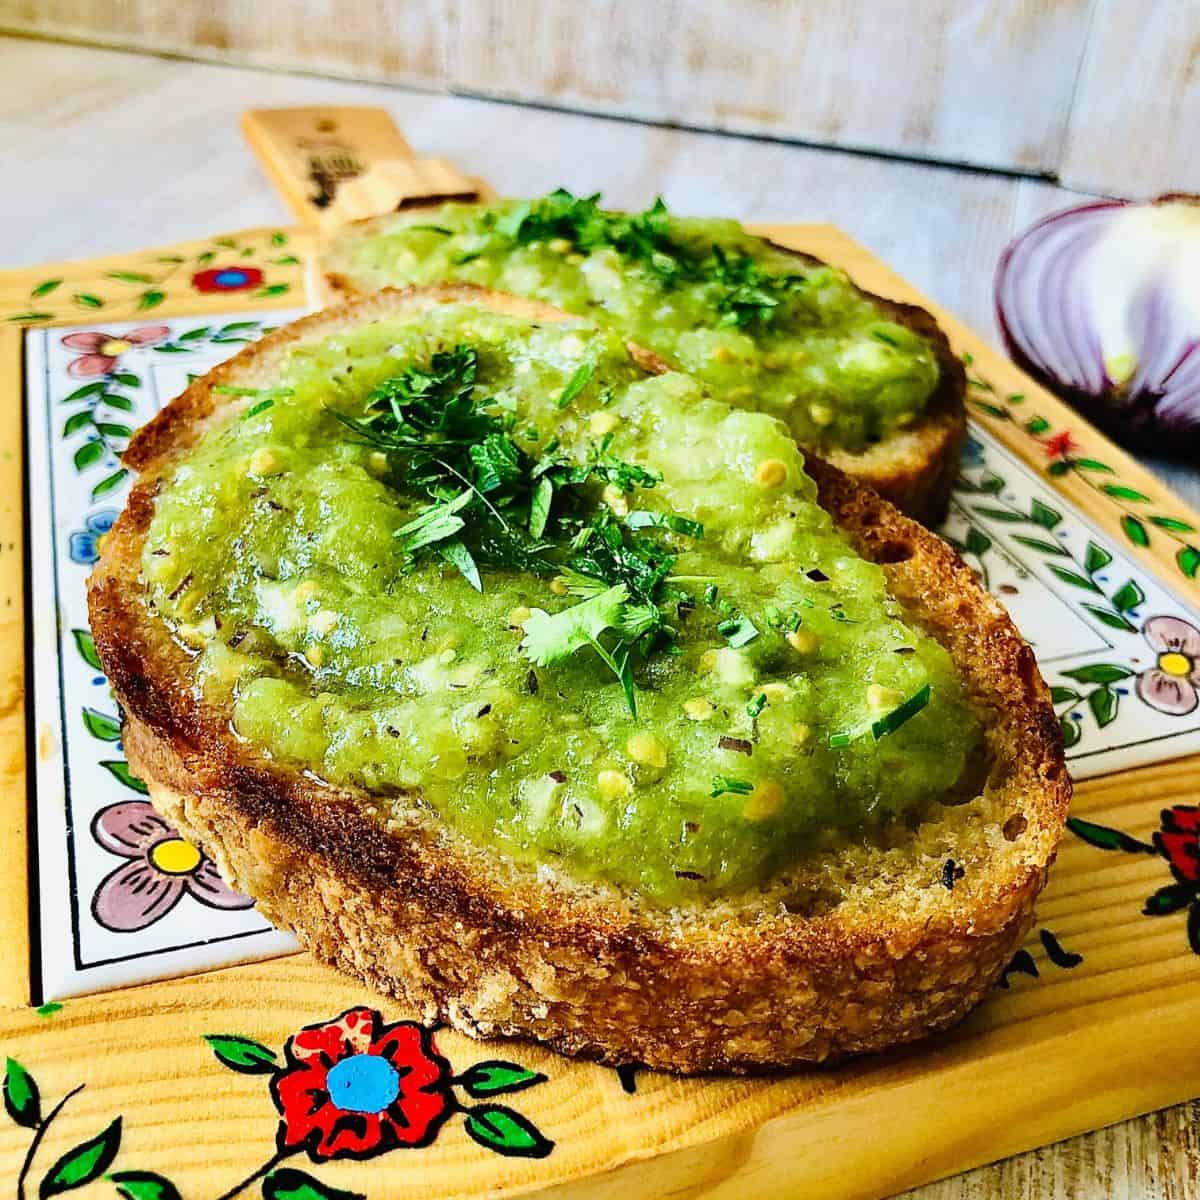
(1132, 420)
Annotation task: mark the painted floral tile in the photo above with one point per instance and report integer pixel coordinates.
(121, 897)
(1119, 649)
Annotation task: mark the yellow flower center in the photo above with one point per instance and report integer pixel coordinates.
(175, 857)
(115, 346)
(1175, 663)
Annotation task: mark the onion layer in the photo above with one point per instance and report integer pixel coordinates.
(1101, 303)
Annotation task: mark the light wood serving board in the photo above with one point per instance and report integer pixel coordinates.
(179, 1086)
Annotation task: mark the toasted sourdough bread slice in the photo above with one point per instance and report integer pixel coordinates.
(914, 468)
(894, 938)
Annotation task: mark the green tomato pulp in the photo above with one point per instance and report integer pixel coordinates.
(827, 361)
(272, 554)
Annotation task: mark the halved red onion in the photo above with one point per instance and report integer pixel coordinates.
(1101, 303)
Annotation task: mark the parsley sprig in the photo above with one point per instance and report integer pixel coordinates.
(490, 502)
(741, 290)
(441, 440)
(644, 237)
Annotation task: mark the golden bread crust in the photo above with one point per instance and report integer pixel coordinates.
(498, 948)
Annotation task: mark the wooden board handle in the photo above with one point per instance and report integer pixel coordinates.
(341, 164)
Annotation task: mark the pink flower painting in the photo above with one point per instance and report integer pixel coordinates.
(102, 350)
(160, 868)
(1172, 685)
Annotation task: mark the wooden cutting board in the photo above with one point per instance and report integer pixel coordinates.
(184, 1083)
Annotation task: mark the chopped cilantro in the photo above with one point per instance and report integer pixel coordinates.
(434, 524)
(624, 476)
(459, 557)
(576, 384)
(539, 506)
(643, 519)
(550, 640)
(738, 630)
(723, 784)
(743, 291)
(490, 503)
(255, 409)
(888, 723)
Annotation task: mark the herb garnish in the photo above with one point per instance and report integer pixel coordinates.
(576, 384)
(741, 290)
(723, 784)
(738, 630)
(440, 440)
(642, 519)
(579, 220)
(744, 292)
(265, 397)
(888, 723)
(491, 503)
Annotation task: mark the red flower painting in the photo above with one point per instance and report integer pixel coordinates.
(227, 279)
(354, 1087)
(1177, 841)
(1059, 445)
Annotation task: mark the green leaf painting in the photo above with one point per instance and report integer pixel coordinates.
(242, 1054)
(82, 1163)
(143, 1185)
(502, 1129)
(21, 1099)
(287, 1183)
(494, 1077)
(120, 771)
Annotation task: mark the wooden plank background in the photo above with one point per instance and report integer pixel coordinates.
(1104, 94)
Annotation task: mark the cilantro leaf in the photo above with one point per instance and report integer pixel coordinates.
(576, 384)
(642, 519)
(458, 556)
(550, 640)
(738, 630)
(880, 727)
(497, 461)
(490, 503)
(539, 506)
(740, 289)
(624, 476)
(723, 784)
(434, 523)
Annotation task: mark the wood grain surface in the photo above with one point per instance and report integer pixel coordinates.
(990, 82)
(1135, 121)
(1083, 1043)
(120, 151)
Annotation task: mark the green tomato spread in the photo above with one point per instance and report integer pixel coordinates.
(587, 617)
(764, 329)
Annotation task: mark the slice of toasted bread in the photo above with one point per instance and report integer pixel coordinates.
(914, 467)
(873, 943)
